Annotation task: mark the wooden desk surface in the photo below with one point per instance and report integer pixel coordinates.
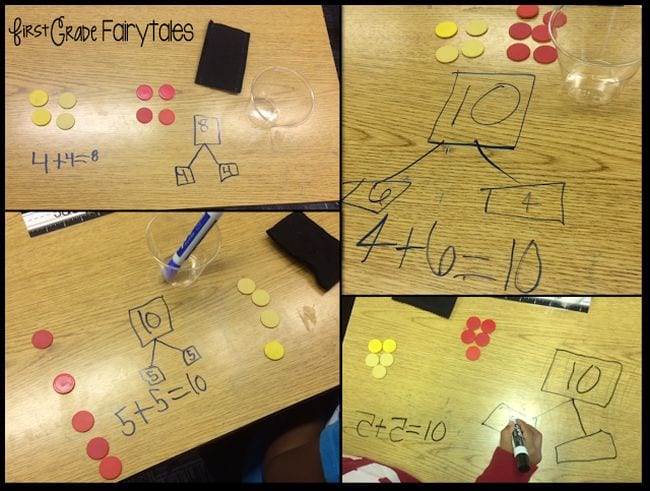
(574, 215)
(135, 168)
(431, 381)
(81, 282)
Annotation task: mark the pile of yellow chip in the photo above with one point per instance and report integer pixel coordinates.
(471, 49)
(41, 116)
(380, 356)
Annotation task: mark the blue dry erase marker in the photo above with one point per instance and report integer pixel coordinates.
(202, 227)
(519, 448)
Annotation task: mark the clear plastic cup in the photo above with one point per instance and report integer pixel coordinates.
(599, 49)
(280, 97)
(166, 232)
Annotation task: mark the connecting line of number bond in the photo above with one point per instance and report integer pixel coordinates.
(199, 151)
(153, 351)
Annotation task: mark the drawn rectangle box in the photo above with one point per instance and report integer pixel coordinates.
(207, 130)
(542, 202)
(584, 378)
(486, 109)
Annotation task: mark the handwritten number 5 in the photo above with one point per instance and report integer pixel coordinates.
(125, 423)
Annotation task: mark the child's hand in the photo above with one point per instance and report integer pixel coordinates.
(531, 435)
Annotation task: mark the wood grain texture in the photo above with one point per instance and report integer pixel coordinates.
(394, 91)
(431, 380)
(80, 283)
(136, 166)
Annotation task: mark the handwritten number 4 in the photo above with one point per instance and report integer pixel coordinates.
(527, 201)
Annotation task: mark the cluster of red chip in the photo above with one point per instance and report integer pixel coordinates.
(540, 33)
(144, 115)
(469, 335)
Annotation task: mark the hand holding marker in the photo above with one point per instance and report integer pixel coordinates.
(202, 227)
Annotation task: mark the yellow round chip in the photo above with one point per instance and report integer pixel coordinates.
(274, 350)
(476, 27)
(41, 117)
(67, 100)
(374, 346)
(65, 121)
(246, 286)
(472, 48)
(379, 371)
(446, 54)
(386, 359)
(390, 345)
(372, 360)
(38, 98)
(446, 29)
(261, 298)
(270, 318)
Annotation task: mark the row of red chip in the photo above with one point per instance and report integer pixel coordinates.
(145, 92)
(97, 448)
(144, 115)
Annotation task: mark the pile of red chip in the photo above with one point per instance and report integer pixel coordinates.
(522, 30)
(482, 339)
(144, 115)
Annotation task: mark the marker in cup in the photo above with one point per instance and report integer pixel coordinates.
(202, 227)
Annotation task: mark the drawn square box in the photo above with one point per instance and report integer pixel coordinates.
(151, 320)
(486, 109)
(184, 175)
(584, 378)
(207, 130)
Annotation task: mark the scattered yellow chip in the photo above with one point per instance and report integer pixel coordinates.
(261, 298)
(246, 286)
(65, 121)
(67, 100)
(386, 359)
(274, 350)
(390, 345)
(270, 318)
(38, 98)
(446, 29)
(41, 117)
(379, 371)
(446, 54)
(476, 27)
(374, 346)
(372, 360)
(472, 48)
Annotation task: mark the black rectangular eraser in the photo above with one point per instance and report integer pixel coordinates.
(442, 306)
(305, 240)
(223, 58)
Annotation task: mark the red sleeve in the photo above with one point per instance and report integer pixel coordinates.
(502, 468)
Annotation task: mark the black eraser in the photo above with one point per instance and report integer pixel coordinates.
(442, 305)
(223, 58)
(305, 240)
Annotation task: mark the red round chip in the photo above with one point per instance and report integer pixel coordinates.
(519, 30)
(110, 467)
(545, 54)
(42, 339)
(467, 336)
(527, 11)
(97, 448)
(541, 33)
(82, 421)
(144, 115)
(482, 339)
(166, 116)
(166, 92)
(518, 52)
(488, 326)
(144, 92)
(560, 18)
(63, 383)
(473, 322)
(473, 353)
